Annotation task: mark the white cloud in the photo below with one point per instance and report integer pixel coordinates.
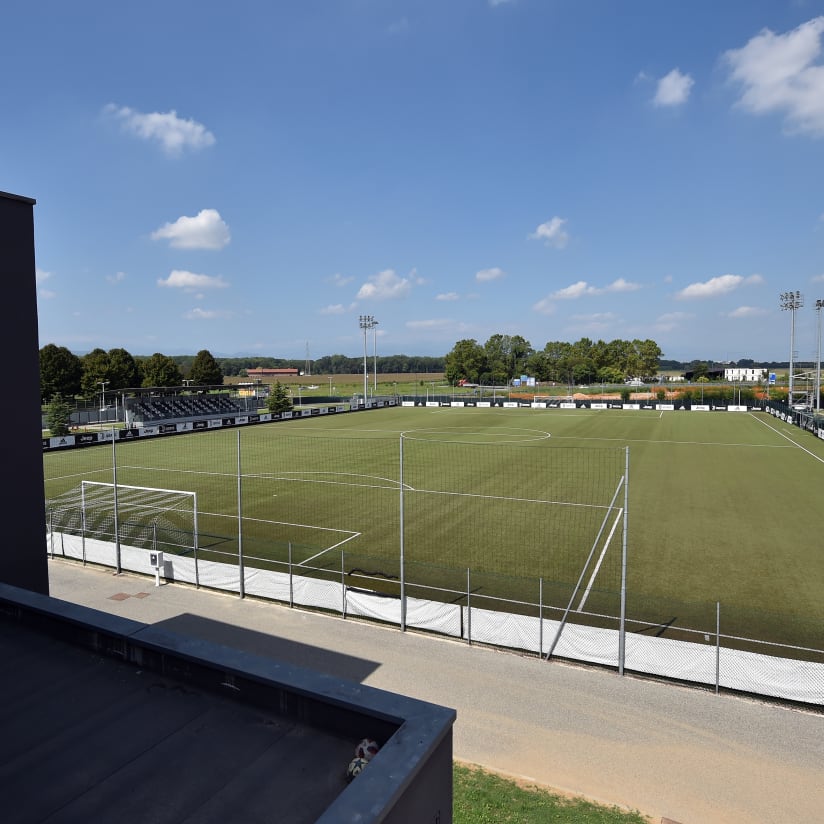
(172, 132)
(721, 285)
(46, 294)
(206, 314)
(817, 278)
(747, 312)
(671, 320)
(545, 306)
(189, 281)
(778, 74)
(622, 285)
(336, 309)
(495, 3)
(40, 275)
(340, 280)
(485, 275)
(673, 89)
(387, 285)
(206, 230)
(552, 233)
(434, 323)
(447, 296)
(575, 290)
(117, 277)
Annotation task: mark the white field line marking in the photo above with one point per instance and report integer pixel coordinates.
(600, 559)
(783, 435)
(507, 498)
(233, 516)
(330, 548)
(351, 534)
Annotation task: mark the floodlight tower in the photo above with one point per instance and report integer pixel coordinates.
(366, 323)
(819, 305)
(790, 301)
(375, 351)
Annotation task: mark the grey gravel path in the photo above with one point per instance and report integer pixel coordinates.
(667, 751)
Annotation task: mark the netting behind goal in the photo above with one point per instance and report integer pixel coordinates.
(146, 517)
(522, 509)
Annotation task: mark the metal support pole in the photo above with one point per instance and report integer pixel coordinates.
(116, 523)
(468, 609)
(239, 523)
(291, 588)
(403, 564)
(717, 645)
(342, 586)
(540, 617)
(819, 305)
(622, 630)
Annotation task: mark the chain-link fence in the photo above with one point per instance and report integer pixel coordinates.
(493, 543)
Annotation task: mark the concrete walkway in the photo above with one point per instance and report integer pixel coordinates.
(673, 753)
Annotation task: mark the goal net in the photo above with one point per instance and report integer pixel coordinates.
(141, 516)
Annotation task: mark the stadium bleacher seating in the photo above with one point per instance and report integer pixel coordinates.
(183, 408)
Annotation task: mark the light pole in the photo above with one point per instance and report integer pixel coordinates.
(366, 323)
(790, 301)
(103, 399)
(819, 305)
(375, 353)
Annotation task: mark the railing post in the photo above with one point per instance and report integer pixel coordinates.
(291, 590)
(717, 646)
(468, 610)
(540, 617)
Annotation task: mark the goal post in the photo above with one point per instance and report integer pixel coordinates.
(144, 517)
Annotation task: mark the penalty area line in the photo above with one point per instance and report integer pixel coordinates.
(330, 548)
(600, 559)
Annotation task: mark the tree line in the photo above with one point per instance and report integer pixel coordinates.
(504, 357)
(68, 375)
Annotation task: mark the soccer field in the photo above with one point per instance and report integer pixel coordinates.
(722, 507)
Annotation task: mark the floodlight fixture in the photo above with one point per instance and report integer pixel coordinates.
(790, 301)
(366, 322)
(819, 305)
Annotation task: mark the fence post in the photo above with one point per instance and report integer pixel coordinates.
(291, 591)
(468, 610)
(717, 645)
(540, 617)
(400, 514)
(342, 586)
(239, 523)
(622, 630)
(116, 523)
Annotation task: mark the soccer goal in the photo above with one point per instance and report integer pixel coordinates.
(145, 517)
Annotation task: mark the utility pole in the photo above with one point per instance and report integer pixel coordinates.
(819, 305)
(790, 301)
(366, 322)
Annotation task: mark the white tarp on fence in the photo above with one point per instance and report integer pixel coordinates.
(751, 672)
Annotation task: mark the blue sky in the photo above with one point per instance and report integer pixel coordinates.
(252, 177)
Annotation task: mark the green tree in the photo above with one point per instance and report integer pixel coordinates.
(205, 370)
(160, 370)
(95, 372)
(466, 361)
(58, 416)
(122, 372)
(61, 372)
(649, 355)
(278, 400)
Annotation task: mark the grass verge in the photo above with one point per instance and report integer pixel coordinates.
(481, 797)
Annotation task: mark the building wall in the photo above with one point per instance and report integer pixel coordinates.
(23, 563)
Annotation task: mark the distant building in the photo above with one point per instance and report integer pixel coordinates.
(266, 372)
(748, 374)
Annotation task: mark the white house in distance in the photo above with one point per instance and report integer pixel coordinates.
(747, 374)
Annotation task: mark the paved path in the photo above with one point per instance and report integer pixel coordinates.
(670, 752)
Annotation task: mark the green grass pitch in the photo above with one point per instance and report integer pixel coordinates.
(723, 507)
